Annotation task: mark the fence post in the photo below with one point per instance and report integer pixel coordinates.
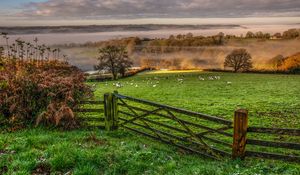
(240, 132)
(110, 111)
(115, 110)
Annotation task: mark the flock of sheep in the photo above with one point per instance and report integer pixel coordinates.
(155, 81)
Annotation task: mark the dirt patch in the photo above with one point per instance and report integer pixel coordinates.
(42, 169)
(93, 139)
(3, 170)
(3, 152)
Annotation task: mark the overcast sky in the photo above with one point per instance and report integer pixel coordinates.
(58, 12)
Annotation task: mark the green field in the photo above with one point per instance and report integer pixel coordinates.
(272, 100)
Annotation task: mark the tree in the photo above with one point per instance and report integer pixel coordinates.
(250, 35)
(189, 35)
(291, 63)
(124, 64)
(239, 60)
(291, 33)
(277, 61)
(113, 59)
(277, 35)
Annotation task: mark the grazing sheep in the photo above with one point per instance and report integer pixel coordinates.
(119, 85)
(228, 82)
(201, 78)
(217, 77)
(211, 78)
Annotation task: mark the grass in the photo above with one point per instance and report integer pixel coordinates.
(272, 100)
(119, 152)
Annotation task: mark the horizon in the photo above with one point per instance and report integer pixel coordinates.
(156, 21)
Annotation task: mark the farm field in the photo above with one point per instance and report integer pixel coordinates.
(272, 101)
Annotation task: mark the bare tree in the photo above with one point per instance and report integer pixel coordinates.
(239, 60)
(124, 64)
(113, 59)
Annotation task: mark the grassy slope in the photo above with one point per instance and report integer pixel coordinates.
(121, 152)
(275, 96)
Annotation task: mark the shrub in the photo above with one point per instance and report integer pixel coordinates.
(40, 92)
(291, 63)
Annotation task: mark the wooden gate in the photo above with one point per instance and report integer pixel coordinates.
(195, 132)
(209, 136)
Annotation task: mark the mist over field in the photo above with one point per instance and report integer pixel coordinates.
(207, 57)
(204, 57)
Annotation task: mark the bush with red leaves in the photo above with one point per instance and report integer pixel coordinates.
(40, 92)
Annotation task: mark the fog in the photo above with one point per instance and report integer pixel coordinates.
(201, 57)
(208, 57)
(64, 38)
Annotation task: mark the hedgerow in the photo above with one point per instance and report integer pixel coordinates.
(38, 92)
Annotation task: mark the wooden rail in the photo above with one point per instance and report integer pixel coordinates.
(182, 111)
(91, 102)
(279, 131)
(186, 132)
(240, 129)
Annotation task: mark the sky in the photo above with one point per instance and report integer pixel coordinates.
(86, 12)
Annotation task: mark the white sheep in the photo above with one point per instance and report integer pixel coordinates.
(201, 78)
(119, 85)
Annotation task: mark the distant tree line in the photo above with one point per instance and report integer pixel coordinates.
(183, 41)
(289, 34)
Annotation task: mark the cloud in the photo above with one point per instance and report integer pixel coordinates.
(108, 9)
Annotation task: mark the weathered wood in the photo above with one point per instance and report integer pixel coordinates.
(171, 143)
(115, 110)
(171, 136)
(111, 111)
(88, 110)
(210, 130)
(279, 131)
(94, 119)
(240, 132)
(182, 111)
(295, 146)
(91, 102)
(273, 156)
(179, 130)
(92, 127)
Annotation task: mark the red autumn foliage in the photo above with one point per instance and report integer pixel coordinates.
(36, 92)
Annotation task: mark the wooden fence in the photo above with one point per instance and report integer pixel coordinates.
(92, 113)
(209, 136)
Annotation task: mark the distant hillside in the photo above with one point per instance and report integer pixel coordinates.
(105, 28)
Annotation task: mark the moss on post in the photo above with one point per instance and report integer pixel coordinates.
(111, 111)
